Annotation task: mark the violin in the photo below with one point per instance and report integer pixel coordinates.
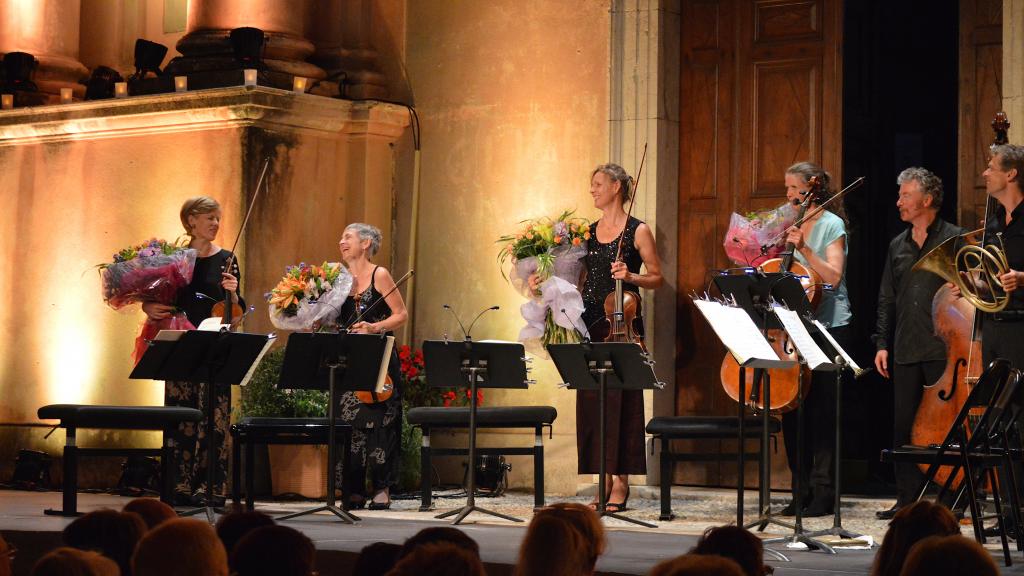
(787, 385)
(620, 306)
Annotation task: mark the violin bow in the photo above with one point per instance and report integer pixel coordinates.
(632, 199)
(398, 284)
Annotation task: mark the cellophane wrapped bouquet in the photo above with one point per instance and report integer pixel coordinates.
(747, 234)
(309, 295)
(153, 271)
(554, 250)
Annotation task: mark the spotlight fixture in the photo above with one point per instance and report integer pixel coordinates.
(31, 470)
(18, 68)
(148, 57)
(100, 84)
(247, 44)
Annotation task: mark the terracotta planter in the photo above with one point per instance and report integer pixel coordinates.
(298, 469)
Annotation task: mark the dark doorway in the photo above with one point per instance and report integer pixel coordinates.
(900, 109)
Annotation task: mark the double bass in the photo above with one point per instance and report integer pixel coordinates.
(787, 384)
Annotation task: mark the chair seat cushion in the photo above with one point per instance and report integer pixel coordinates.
(489, 417)
(927, 455)
(707, 426)
(264, 427)
(119, 417)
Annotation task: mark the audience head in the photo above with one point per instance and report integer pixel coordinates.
(911, 525)
(232, 527)
(111, 533)
(952, 555)
(277, 550)
(553, 547)
(6, 556)
(736, 544)
(151, 510)
(586, 522)
(180, 547)
(439, 558)
(376, 559)
(439, 534)
(697, 565)
(74, 562)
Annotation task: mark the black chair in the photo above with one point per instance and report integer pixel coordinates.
(668, 428)
(249, 432)
(75, 416)
(976, 448)
(530, 417)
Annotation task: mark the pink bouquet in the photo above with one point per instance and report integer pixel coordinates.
(150, 272)
(747, 234)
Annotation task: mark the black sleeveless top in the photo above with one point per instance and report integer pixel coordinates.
(598, 261)
(358, 303)
(206, 279)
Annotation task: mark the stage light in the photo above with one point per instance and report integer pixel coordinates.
(247, 44)
(148, 58)
(101, 83)
(139, 474)
(31, 470)
(66, 95)
(18, 68)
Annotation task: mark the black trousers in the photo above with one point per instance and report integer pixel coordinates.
(908, 382)
(1002, 339)
(818, 466)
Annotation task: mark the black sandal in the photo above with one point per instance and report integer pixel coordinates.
(618, 506)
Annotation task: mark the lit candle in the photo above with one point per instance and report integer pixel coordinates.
(250, 76)
(7, 101)
(181, 83)
(299, 85)
(66, 95)
(120, 90)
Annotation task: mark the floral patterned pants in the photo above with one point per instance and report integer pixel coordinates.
(189, 440)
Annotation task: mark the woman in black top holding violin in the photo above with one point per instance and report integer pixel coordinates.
(376, 421)
(611, 188)
(211, 283)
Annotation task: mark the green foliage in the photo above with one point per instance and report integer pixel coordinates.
(262, 397)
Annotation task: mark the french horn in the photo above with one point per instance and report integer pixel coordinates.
(972, 267)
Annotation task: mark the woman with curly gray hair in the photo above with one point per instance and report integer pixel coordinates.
(377, 426)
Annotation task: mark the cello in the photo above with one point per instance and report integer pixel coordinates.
(786, 383)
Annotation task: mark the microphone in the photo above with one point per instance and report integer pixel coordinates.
(473, 323)
(586, 336)
(465, 334)
(744, 252)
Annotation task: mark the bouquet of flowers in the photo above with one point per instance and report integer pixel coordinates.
(552, 249)
(153, 271)
(747, 234)
(308, 294)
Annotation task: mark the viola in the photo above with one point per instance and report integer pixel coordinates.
(620, 306)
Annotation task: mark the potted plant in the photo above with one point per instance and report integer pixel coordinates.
(294, 469)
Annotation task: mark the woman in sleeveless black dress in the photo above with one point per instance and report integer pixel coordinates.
(211, 280)
(611, 187)
(376, 428)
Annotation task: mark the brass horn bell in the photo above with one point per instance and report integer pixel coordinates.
(974, 269)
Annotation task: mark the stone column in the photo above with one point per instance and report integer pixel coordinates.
(341, 30)
(205, 45)
(48, 30)
(109, 29)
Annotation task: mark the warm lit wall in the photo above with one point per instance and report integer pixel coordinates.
(83, 180)
(513, 96)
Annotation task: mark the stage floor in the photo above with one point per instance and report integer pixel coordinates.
(630, 550)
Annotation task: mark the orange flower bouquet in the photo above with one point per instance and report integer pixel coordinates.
(308, 294)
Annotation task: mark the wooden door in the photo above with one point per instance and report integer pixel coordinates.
(981, 75)
(760, 90)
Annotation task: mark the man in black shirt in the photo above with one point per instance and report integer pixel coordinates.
(1002, 333)
(904, 335)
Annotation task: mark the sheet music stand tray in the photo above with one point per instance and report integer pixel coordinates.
(214, 358)
(317, 361)
(477, 365)
(602, 366)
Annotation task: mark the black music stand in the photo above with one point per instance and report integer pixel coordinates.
(313, 361)
(479, 365)
(600, 366)
(755, 293)
(214, 358)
